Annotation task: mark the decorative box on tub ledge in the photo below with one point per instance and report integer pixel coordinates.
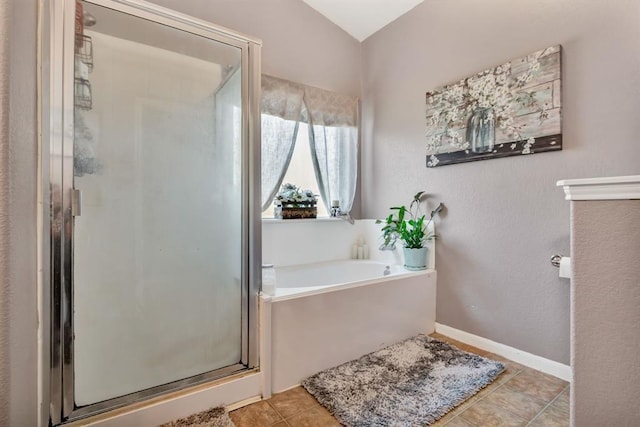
(299, 211)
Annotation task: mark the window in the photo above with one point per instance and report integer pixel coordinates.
(300, 171)
(321, 157)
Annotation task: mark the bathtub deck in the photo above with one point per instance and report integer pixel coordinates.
(283, 294)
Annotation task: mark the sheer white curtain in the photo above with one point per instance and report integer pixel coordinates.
(281, 110)
(334, 152)
(278, 141)
(333, 135)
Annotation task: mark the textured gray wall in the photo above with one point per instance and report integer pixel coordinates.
(4, 213)
(505, 216)
(605, 246)
(18, 162)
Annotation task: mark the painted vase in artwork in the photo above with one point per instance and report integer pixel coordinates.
(481, 132)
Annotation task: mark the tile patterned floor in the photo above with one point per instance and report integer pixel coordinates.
(520, 396)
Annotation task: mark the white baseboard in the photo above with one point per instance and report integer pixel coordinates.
(547, 366)
(289, 388)
(243, 403)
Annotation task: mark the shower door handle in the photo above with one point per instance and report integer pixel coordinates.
(76, 202)
(555, 260)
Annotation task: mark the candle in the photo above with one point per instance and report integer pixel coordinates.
(335, 203)
(360, 252)
(354, 252)
(365, 251)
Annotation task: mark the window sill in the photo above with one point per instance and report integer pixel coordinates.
(296, 221)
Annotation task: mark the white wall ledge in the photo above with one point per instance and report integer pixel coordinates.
(299, 220)
(607, 188)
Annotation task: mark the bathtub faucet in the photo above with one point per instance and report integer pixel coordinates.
(389, 247)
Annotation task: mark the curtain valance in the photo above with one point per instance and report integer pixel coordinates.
(282, 98)
(285, 99)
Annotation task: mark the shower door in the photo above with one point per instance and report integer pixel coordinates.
(153, 187)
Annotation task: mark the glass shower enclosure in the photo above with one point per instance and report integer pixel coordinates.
(151, 143)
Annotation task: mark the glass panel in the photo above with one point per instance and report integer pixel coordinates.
(158, 245)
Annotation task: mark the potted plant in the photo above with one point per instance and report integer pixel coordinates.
(408, 225)
(294, 203)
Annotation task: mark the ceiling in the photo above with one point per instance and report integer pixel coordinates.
(362, 18)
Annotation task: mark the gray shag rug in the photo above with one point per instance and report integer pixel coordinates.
(214, 417)
(412, 383)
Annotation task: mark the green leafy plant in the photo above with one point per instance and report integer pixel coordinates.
(408, 225)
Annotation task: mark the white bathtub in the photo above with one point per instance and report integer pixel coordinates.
(312, 279)
(328, 313)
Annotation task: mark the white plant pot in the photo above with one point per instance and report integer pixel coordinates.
(415, 259)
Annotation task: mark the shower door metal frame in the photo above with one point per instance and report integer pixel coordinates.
(56, 96)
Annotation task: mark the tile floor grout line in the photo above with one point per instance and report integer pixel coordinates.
(277, 412)
(293, 415)
(298, 413)
(479, 399)
(507, 409)
(548, 404)
(568, 386)
(529, 398)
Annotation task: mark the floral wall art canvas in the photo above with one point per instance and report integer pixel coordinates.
(511, 109)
